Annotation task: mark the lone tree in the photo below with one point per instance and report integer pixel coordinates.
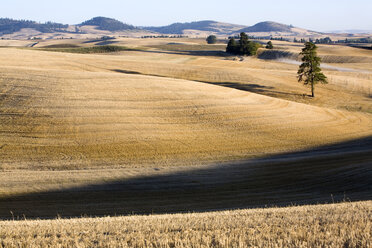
(269, 45)
(211, 39)
(309, 71)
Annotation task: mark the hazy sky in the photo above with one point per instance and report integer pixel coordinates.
(323, 15)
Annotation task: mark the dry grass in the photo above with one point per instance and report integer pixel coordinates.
(62, 111)
(134, 131)
(338, 225)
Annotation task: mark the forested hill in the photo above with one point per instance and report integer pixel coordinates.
(109, 24)
(9, 26)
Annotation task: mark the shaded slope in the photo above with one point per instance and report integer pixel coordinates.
(326, 174)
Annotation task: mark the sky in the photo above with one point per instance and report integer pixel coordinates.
(317, 15)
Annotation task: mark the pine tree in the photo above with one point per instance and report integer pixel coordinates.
(232, 47)
(244, 43)
(309, 71)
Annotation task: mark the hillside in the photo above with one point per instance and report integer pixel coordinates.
(109, 24)
(210, 26)
(267, 27)
(226, 29)
(93, 28)
(103, 26)
(9, 26)
(204, 122)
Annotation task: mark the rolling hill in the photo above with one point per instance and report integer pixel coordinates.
(23, 29)
(93, 28)
(210, 26)
(9, 26)
(109, 24)
(154, 131)
(219, 28)
(267, 27)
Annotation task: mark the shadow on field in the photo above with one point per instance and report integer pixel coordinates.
(255, 88)
(210, 53)
(336, 172)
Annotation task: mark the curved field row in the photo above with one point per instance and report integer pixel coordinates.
(72, 117)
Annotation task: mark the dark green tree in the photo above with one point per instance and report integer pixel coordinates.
(211, 39)
(253, 47)
(269, 45)
(244, 44)
(232, 47)
(309, 71)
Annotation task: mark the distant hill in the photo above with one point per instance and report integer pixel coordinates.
(210, 26)
(9, 26)
(109, 24)
(103, 26)
(226, 29)
(351, 31)
(267, 27)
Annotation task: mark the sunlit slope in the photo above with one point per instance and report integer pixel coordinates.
(59, 111)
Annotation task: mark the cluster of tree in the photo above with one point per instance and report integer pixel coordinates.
(302, 40)
(109, 24)
(328, 40)
(211, 39)
(360, 40)
(9, 26)
(325, 40)
(278, 38)
(256, 37)
(243, 47)
(163, 36)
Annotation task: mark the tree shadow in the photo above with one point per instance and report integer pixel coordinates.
(208, 53)
(255, 88)
(326, 174)
(99, 40)
(105, 43)
(127, 72)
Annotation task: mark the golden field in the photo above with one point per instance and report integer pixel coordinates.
(175, 126)
(335, 225)
(74, 111)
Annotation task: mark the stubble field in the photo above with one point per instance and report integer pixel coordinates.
(339, 225)
(174, 126)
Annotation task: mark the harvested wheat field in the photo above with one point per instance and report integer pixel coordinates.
(165, 127)
(334, 225)
(63, 111)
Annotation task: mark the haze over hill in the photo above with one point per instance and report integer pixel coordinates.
(210, 26)
(25, 29)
